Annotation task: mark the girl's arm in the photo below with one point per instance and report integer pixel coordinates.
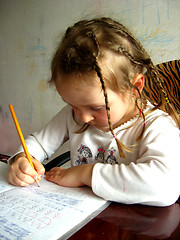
(72, 177)
(154, 178)
(42, 144)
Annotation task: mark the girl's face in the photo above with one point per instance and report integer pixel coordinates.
(88, 102)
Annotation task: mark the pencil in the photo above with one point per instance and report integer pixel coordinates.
(22, 138)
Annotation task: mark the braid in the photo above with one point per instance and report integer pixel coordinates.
(164, 100)
(124, 52)
(82, 46)
(119, 143)
(119, 29)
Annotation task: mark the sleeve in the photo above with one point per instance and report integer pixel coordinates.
(154, 179)
(41, 145)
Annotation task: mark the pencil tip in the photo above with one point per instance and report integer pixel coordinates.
(38, 183)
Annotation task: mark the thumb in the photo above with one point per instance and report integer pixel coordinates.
(39, 168)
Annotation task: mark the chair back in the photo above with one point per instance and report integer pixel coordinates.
(170, 74)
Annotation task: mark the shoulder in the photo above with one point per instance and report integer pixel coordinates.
(161, 134)
(157, 116)
(159, 126)
(60, 119)
(64, 113)
(66, 110)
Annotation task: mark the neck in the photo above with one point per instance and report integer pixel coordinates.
(132, 112)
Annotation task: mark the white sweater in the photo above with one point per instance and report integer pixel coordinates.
(150, 174)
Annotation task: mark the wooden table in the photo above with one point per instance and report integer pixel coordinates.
(131, 222)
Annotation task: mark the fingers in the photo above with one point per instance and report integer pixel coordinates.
(56, 175)
(20, 179)
(72, 177)
(65, 177)
(40, 170)
(21, 172)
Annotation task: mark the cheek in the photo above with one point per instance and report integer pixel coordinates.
(102, 117)
(115, 115)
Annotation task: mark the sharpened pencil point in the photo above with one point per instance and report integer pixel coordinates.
(37, 183)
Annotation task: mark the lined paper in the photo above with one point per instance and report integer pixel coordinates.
(48, 212)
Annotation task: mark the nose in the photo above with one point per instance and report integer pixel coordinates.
(85, 116)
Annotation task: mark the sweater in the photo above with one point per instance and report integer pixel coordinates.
(150, 173)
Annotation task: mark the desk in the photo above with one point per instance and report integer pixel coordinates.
(131, 222)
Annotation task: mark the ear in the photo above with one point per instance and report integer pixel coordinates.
(138, 82)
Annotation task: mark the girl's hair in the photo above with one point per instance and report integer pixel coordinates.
(84, 44)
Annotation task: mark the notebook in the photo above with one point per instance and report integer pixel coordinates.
(46, 212)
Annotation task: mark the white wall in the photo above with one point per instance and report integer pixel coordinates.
(29, 33)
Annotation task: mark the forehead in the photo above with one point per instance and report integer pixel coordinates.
(79, 81)
(78, 89)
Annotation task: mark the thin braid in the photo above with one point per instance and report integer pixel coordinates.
(159, 82)
(98, 71)
(141, 112)
(119, 29)
(141, 62)
(123, 51)
(125, 33)
(164, 99)
(120, 145)
(80, 50)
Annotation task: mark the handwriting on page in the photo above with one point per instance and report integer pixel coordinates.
(49, 212)
(25, 211)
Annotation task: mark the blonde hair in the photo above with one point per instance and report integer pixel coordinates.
(81, 48)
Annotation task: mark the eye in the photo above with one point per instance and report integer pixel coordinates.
(97, 108)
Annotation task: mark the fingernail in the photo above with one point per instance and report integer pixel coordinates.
(39, 177)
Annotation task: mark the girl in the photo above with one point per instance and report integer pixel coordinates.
(98, 70)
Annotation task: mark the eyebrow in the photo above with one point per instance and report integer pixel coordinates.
(92, 105)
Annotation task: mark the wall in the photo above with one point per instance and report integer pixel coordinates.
(29, 33)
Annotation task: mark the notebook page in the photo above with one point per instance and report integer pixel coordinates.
(4, 184)
(47, 212)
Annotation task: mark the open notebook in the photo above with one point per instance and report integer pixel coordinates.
(48, 212)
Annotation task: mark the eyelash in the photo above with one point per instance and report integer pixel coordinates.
(91, 108)
(97, 108)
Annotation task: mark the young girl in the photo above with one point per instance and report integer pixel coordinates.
(124, 148)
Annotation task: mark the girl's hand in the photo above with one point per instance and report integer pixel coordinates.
(21, 172)
(72, 177)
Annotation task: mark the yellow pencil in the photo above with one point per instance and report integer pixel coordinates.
(21, 138)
